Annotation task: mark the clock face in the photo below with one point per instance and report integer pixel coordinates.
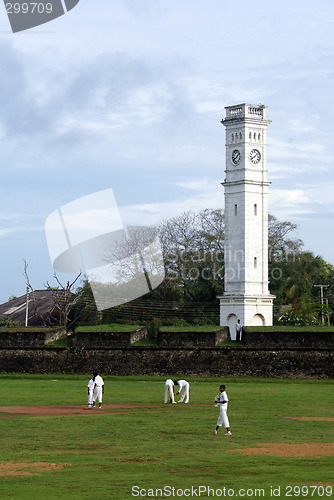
(236, 156)
(254, 156)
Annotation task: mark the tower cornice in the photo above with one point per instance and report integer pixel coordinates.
(239, 182)
(246, 120)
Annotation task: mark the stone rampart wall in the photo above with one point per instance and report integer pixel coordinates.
(96, 340)
(263, 354)
(192, 339)
(217, 362)
(288, 340)
(17, 338)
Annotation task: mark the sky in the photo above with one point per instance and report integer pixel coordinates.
(129, 95)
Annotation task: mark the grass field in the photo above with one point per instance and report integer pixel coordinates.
(112, 327)
(105, 455)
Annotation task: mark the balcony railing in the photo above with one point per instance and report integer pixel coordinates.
(255, 111)
(234, 112)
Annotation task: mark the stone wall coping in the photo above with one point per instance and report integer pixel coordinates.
(154, 348)
(164, 329)
(289, 332)
(109, 331)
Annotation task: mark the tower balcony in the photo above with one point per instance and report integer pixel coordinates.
(244, 111)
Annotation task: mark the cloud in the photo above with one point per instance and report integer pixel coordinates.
(108, 91)
(12, 84)
(197, 185)
(299, 126)
(153, 213)
(205, 194)
(288, 196)
(4, 232)
(309, 201)
(293, 148)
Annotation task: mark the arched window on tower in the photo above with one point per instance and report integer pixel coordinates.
(232, 137)
(259, 137)
(240, 135)
(250, 135)
(254, 136)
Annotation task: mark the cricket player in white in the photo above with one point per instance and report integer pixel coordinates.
(169, 386)
(90, 390)
(222, 401)
(98, 389)
(183, 390)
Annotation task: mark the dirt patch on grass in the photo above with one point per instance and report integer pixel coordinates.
(14, 411)
(318, 419)
(27, 469)
(139, 460)
(290, 450)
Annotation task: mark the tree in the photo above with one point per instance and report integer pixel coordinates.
(64, 299)
(193, 253)
(296, 287)
(83, 311)
(283, 251)
(8, 323)
(281, 245)
(31, 291)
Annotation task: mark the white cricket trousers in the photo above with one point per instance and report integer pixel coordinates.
(90, 397)
(185, 393)
(98, 394)
(222, 419)
(169, 387)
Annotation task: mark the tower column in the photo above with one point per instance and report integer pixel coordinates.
(246, 295)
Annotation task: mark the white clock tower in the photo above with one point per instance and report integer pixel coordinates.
(246, 296)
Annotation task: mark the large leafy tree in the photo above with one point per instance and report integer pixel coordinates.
(298, 288)
(282, 245)
(193, 254)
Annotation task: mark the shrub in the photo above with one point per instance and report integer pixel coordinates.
(8, 323)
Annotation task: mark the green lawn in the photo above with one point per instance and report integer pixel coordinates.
(114, 327)
(190, 328)
(164, 445)
(290, 329)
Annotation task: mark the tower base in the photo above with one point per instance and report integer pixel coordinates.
(251, 310)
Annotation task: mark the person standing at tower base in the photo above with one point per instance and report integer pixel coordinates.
(238, 331)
